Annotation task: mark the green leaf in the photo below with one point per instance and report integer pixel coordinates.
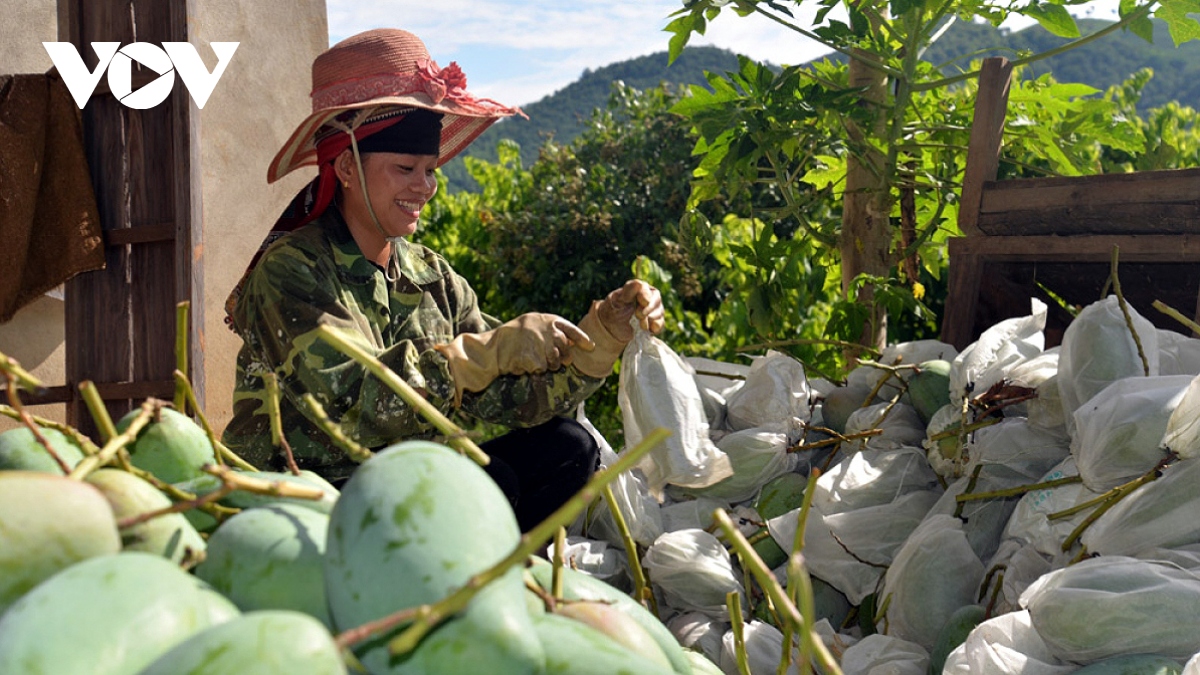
(902, 7)
(1054, 18)
(1183, 27)
(682, 29)
(1143, 27)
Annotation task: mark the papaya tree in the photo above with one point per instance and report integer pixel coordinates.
(881, 126)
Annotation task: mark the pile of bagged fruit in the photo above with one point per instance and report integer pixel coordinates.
(1007, 509)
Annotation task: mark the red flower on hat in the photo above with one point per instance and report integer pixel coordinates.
(448, 82)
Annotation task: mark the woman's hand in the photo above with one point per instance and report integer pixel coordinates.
(635, 298)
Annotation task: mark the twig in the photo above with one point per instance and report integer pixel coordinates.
(353, 450)
(837, 438)
(181, 352)
(262, 486)
(1019, 490)
(799, 585)
(1120, 493)
(85, 444)
(852, 554)
(23, 377)
(1116, 283)
(99, 412)
(425, 618)
(223, 453)
(971, 482)
(641, 590)
(27, 420)
(733, 601)
(1174, 314)
(556, 580)
(278, 438)
(767, 581)
(454, 435)
(231, 481)
(116, 443)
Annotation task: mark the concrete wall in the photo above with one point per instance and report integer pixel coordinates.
(259, 100)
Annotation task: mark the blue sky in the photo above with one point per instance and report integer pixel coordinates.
(517, 51)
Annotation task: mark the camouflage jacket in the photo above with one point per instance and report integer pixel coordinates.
(317, 276)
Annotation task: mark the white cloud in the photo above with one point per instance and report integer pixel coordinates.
(518, 51)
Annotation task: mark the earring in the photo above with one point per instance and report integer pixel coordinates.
(346, 184)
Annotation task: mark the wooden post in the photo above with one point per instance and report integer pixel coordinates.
(120, 325)
(987, 130)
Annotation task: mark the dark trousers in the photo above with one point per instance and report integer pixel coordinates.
(541, 467)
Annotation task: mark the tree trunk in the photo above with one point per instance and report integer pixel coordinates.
(866, 228)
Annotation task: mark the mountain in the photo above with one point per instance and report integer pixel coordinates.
(562, 115)
(1101, 64)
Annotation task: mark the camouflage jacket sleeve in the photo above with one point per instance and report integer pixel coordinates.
(298, 288)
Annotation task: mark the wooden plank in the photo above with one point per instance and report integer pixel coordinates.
(189, 215)
(987, 130)
(964, 278)
(146, 234)
(97, 306)
(1073, 220)
(162, 389)
(1095, 248)
(1150, 201)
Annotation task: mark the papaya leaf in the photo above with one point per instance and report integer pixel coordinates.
(1183, 27)
(1143, 27)
(1054, 18)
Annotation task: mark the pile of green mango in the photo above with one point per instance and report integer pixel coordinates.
(267, 584)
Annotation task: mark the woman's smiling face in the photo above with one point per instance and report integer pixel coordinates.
(399, 185)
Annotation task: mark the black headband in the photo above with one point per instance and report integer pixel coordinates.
(417, 133)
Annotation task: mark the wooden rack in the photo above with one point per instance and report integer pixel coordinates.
(1024, 237)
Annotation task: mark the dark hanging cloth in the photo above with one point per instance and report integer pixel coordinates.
(49, 223)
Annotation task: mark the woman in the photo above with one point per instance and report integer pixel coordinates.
(384, 118)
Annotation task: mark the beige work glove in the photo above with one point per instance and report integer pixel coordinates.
(608, 324)
(530, 343)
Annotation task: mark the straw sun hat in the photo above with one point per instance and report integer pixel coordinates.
(379, 70)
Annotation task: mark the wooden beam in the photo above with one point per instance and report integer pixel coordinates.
(189, 214)
(987, 130)
(108, 391)
(147, 234)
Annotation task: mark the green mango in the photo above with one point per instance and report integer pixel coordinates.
(172, 447)
(617, 625)
(929, 388)
(170, 536)
(111, 615)
(48, 523)
(575, 648)
(954, 633)
(270, 557)
(780, 495)
(269, 642)
(240, 499)
(21, 451)
(840, 403)
(413, 524)
(701, 665)
(1133, 664)
(579, 586)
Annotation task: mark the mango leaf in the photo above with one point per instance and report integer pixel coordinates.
(1054, 18)
(1183, 27)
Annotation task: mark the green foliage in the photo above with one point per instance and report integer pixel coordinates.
(800, 133)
